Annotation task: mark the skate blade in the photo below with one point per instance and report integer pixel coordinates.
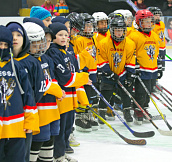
(138, 122)
(95, 128)
(83, 130)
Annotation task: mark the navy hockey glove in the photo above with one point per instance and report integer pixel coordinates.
(129, 80)
(160, 73)
(113, 76)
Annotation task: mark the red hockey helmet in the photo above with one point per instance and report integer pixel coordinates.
(141, 15)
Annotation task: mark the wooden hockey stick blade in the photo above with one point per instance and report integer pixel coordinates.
(129, 141)
(165, 133)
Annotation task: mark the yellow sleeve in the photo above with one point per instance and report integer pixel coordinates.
(82, 96)
(54, 89)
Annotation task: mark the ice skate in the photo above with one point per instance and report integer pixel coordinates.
(138, 115)
(109, 114)
(127, 116)
(70, 159)
(82, 124)
(72, 141)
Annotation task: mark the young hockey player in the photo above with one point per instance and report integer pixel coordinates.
(159, 29)
(147, 50)
(119, 63)
(18, 110)
(69, 79)
(69, 50)
(85, 51)
(42, 144)
(21, 47)
(101, 25)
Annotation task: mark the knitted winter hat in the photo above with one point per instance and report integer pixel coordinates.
(34, 20)
(15, 27)
(39, 12)
(60, 19)
(48, 30)
(6, 35)
(56, 27)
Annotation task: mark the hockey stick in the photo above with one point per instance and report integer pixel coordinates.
(129, 141)
(149, 94)
(165, 133)
(164, 96)
(168, 57)
(129, 2)
(164, 89)
(164, 60)
(161, 101)
(136, 134)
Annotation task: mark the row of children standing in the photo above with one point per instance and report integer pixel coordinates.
(109, 51)
(44, 109)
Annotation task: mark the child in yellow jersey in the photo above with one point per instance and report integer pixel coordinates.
(159, 29)
(85, 50)
(147, 50)
(101, 24)
(119, 63)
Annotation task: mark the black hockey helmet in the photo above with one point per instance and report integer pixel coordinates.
(118, 23)
(155, 11)
(85, 18)
(74, 21)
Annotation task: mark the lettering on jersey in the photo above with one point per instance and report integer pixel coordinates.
(61, 68)
(161, 36)
(150, 42)
(45, 65)
(116, 58)
(112, 49)
(150, 51)
(89, 43)
(6, 90)
(6, 73)
(26, 70)
(70, 52)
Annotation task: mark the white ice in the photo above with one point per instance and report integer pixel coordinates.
(105, 145)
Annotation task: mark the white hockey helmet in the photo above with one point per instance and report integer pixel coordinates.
(98, 16)
(37, 38)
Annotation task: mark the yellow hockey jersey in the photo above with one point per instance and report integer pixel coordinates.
(97, 38)
(119, 57)
(159, 29)
(147, 50)
(82, 44)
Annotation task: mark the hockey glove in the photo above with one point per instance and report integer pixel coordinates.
(129, 80)
(160, 73)
(112, 76)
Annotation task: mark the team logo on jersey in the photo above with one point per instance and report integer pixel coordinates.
(161, 36)
(47, 75)
(116, 59)
(70, 66)
(6, 90)
(94, 52)
(150, 51)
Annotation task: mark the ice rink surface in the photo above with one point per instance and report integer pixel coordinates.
(104, 145)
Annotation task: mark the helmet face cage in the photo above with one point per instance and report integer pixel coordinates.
(156, 13)
(38, 48)
(129, 20)
(147, 24)
(88, 29)
(118, 33)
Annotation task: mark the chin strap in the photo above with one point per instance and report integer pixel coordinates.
(14, 71)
